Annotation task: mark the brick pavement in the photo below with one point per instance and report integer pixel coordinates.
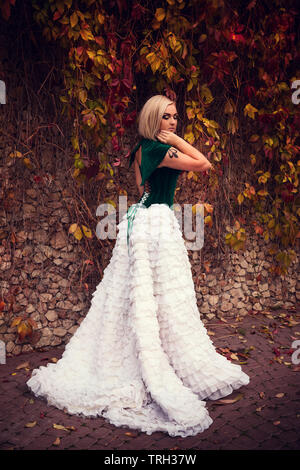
(265, 417)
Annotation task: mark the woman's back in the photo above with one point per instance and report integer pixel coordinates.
(160, 181)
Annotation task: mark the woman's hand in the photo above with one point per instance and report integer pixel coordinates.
(168, 137)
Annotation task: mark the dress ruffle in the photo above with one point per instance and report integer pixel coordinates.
(142, 357)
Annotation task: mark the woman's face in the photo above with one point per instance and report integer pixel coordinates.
(169, 119)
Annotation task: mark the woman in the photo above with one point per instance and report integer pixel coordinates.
(142, 357)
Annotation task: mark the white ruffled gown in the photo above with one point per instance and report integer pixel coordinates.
(141, 357)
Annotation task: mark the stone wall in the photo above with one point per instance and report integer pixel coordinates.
(43, 262)
(243, 284)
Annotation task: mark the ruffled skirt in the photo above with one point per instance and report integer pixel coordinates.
(142, 358)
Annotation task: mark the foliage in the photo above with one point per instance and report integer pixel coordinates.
(230, 66)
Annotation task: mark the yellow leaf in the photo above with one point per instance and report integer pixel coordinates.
(206, 94)
(234, 357)
(189, 137)
(208, 220)
(28, 163)
(197, 209)
(190, 85)
(208, 207)
(160, 14)
(254, 138)
(86, 35)
(23, 330)
(229, 401)
(60, 427)
(30, 425)
(240, 198)
(280, 395)
(250, 111)
(150, 57)
(91, 53)
(155, 65)
(71, 428)
(76, 231)
(82, 95)
(100, 18)
(16, 154)
(110, 201)
(87, 232)
(262, 192)
(16, 322)
(73, 19)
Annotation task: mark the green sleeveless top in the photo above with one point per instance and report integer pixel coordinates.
(162, 180)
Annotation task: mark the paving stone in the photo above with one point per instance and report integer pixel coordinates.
(236, 426)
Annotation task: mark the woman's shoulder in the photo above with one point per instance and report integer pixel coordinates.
(149, 147)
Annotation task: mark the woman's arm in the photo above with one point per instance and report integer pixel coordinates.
(182, 155)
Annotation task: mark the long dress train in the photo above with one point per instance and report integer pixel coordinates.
(141, 357)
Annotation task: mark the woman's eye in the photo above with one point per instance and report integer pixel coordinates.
(167, 116)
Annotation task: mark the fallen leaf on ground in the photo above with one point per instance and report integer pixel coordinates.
(280, 395)
(54, 359)
(56, 442)
(223, 319)
(64, 428)
(71, 428)
(260, 408)
(30, 425)
(61, 427)
(262, 394)
(229, 401)
(276, 423)
(23, 365)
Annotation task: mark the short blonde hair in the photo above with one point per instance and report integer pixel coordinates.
(151, 115)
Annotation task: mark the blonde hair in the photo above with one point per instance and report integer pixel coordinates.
(151, 115)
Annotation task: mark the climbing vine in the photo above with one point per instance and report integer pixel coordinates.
(231, 66)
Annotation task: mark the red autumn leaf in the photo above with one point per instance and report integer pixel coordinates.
(56, 15)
